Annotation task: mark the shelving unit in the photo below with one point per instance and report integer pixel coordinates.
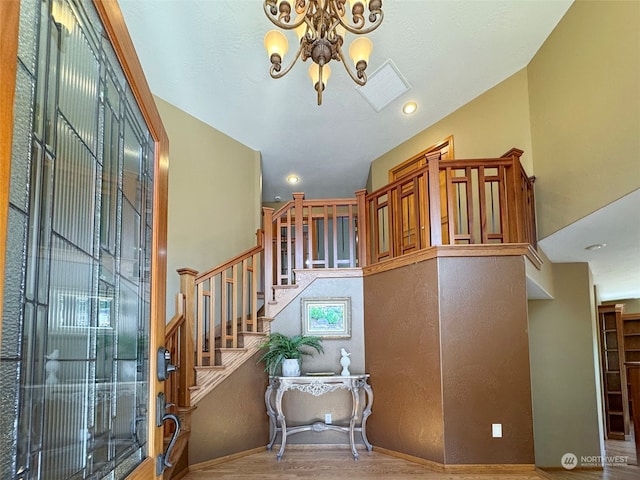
(631, 331)
(612, 355)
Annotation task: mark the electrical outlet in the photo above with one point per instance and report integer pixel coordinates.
(496, 430)
(327, 418)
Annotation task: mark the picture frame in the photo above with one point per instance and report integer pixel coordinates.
(326, 317)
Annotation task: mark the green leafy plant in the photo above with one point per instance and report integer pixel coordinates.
(280, 347)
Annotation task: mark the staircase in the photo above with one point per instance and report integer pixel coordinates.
(222, 315)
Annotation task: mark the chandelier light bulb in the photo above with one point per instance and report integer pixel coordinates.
(276, 43)
(360, 50)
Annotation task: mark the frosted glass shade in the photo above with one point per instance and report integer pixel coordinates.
(276, 42)
(314, 73)
(360, 49)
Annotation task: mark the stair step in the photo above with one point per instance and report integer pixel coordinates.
(207, 368)
(284, 287)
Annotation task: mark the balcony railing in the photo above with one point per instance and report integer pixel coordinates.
(450, 202)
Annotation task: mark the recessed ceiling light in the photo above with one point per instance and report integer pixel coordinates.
(409, 108)
(595, 246)
(293, 179)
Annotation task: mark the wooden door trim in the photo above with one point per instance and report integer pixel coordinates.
(422, 156)
(116, 29)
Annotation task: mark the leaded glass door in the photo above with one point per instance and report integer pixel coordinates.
(83, 276)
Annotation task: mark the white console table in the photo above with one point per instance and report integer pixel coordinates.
(316, 386)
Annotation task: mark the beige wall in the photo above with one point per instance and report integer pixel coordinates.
(565, 374)
(214, 196)
(585, 112)
(485, 127)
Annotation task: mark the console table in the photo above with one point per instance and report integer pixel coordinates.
(316, 386)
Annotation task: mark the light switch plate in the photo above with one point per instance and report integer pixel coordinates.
(496, 430)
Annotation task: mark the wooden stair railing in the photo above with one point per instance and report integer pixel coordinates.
(217, 316)
(310, 234)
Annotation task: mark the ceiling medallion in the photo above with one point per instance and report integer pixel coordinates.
(321, 26)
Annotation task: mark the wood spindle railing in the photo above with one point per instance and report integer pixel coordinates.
(226, 303)
(311, 234)
(485, 201)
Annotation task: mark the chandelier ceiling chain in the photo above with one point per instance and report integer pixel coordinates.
(321, 27)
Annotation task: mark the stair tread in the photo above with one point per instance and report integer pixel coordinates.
(231, 349)
(284, 287)
(205, 368)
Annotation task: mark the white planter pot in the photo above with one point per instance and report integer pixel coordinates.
(291, 367)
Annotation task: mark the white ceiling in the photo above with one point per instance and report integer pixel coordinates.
(207, 58)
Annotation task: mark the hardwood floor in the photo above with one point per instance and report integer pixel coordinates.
(333, 462)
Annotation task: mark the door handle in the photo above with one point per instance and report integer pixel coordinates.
(162, 460)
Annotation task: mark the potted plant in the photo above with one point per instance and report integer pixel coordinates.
(287, 351)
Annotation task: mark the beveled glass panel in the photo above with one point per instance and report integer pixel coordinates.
(28, 37)
(77, 290)
(79, 76)
(75, 178)
(22, 135)
(13, 297)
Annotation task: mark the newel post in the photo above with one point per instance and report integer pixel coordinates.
(363, 228)
(267, 258)
(187, 355)
(514, 197)
(435, 220)
(298, 218)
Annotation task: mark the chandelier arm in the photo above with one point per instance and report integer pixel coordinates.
(362, 31)
(282, 73)
(278, 23)
(360, 81)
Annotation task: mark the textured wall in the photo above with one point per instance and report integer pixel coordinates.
(485, 360)
(448, 359)
(402, 341)
(233, 417)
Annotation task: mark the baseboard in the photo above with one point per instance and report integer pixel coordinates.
(465, 468)
(226, 458)
(576, 469)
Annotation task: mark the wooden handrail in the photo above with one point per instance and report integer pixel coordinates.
(228, 264)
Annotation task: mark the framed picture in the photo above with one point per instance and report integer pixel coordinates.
(326, 317)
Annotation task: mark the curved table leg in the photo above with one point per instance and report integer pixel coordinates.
(355, 395)
(365, 414)
(273, 424)
(282, 422)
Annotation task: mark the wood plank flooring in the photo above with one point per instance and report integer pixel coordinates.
(336, 463)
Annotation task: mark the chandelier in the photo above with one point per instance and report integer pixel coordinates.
(321, 27)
